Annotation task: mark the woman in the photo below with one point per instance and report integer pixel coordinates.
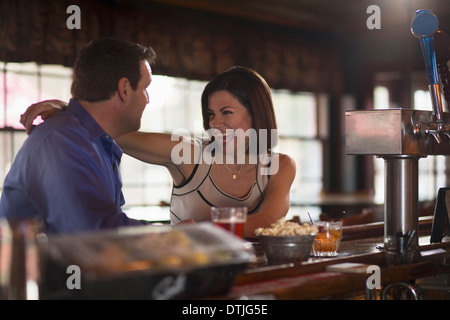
(235, 166)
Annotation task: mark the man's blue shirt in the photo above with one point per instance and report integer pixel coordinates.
(67, 173)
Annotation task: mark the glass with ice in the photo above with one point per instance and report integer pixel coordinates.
(328, 239)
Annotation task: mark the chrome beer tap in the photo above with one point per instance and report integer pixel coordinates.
(403, 136)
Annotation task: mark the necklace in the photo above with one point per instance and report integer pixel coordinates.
(233, 172)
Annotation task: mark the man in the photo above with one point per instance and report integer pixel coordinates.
(66, 172)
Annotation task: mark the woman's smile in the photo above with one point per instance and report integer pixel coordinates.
(227, 118)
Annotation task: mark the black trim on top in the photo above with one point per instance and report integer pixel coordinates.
(256, 208)
(188, 179)
(204, 199)
(171, 212)
(232, 197)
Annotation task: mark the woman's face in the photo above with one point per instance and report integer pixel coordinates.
(226, 115)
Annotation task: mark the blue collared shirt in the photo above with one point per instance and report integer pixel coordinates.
(67, 173)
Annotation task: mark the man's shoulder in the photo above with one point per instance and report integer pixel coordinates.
(61, 124)
(59, 130)
(60, 121)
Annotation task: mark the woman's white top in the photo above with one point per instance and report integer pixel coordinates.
(195, 197)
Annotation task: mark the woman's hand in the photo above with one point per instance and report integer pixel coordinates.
(45, 109)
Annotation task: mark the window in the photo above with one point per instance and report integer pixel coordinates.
(432, 174)
(174, 104)
(22, 84)
(298, 122)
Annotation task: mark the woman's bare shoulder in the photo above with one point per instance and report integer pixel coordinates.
(284, 160)
(278, 164)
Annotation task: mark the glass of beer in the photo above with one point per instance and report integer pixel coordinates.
(328, 239)
(230, 218)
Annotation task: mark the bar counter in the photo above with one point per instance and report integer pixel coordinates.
(427, 277)
(360, 244)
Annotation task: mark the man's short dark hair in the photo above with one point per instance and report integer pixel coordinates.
(102, 63)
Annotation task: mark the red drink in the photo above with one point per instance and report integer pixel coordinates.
(231, 219)
(236, 227)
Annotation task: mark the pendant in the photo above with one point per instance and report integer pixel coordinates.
(234, 176)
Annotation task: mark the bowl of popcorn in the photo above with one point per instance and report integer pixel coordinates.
(286, 241)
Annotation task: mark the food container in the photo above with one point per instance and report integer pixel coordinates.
(152, 262)
(286, 249)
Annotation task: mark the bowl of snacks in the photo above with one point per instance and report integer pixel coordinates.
(286, 241)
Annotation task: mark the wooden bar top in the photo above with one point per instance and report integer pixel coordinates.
(310, 280)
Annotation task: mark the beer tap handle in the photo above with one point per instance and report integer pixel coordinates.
(424, 26)
(442, 46)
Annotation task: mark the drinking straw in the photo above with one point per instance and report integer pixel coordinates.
(312, 222)
(340, 217)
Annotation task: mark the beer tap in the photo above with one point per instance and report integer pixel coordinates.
(396, 136)
(442, 45)
(424, 26)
